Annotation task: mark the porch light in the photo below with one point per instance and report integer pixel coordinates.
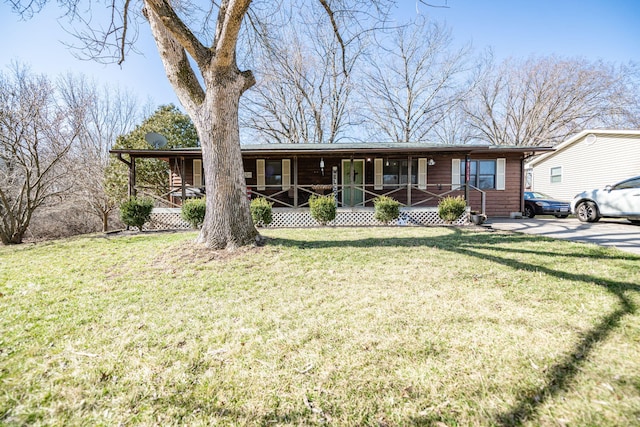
(431, 162)
(322, 165)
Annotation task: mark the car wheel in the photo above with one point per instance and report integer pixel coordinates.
(561, 216)
(587, 212)
(529, 212)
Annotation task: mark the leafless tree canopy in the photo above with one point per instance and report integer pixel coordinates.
(541, 101)
(104, 113)
(36, 134)
(414, 82)
(304, 83)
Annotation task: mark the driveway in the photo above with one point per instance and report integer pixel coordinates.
(607, 232)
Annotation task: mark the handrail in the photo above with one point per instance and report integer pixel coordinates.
(483, 198)
(368, 190)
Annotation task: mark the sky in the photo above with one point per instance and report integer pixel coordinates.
(607, 30)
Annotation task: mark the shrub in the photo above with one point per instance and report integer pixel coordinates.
(386, 209)
(451, 208)
(261, 211)
(135, 212)
(193, 211)
(323, 208)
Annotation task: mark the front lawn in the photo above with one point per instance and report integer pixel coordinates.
(323, 326)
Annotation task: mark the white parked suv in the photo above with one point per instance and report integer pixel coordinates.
(621, 200)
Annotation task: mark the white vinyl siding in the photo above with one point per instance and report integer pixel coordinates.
(611, 158)
(197, 173)
(422, 174)
(377, 174)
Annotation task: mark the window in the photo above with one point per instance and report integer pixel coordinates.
(556, 174)
(273, 172)
(628, 184)
(396, 172)
(482, 173)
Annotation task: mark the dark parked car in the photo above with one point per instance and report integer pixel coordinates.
(621, 200)
(536, 203)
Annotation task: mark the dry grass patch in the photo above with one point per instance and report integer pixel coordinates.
(340, 326)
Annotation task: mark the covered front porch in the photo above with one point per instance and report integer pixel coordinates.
(418, 176)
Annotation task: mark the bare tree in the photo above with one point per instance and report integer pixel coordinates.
(303, 91)
(541, 101)
(206, 36)
(106, 113)
(36, 135)
(415, 82)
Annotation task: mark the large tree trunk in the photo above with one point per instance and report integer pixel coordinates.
(214, 111)
(228, 222)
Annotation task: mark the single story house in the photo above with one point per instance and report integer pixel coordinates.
(588, 160)
(491, 178)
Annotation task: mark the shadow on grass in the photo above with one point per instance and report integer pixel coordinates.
(560, 376)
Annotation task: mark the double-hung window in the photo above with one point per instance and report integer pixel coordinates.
(389, 173)
(273, 174)
(483, 174)
(396, 172)
(556, 175)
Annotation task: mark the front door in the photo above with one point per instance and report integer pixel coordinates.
(353, 182)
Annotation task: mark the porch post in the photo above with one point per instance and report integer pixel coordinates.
(132, 177)
(182, 184)
(409, 174)
(295, 181)
(352, 178)
(467, 177)
(131, 164)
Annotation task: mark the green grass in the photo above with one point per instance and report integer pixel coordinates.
(339, 326)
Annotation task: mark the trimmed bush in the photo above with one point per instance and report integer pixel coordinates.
(135, 212)
(261, 211)
(451, 208)
(193, 211)
(323, 208)
(386, 209)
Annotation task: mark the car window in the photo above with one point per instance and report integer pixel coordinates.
(535, 195)
(630, 183)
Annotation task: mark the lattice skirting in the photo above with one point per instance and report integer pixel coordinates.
(169, 218)
(166, 219)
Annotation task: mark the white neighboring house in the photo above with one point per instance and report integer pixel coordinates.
(589, 160)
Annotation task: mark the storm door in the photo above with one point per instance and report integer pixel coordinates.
(353, 182)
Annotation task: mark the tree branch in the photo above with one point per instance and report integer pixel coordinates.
(336, 31)
(179, 31)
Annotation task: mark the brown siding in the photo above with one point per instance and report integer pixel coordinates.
(498, 202)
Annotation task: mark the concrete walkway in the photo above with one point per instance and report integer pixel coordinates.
(607, 232)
